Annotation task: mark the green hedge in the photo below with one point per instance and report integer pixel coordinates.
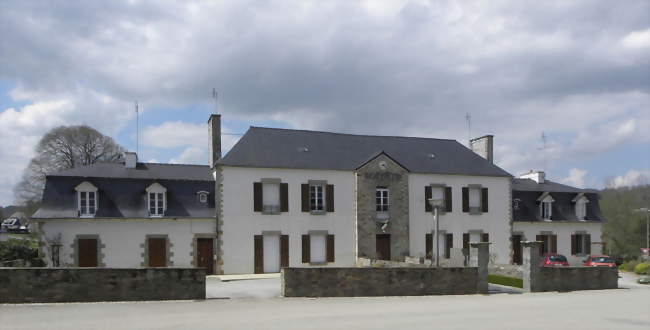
(642, 268)
(505, 280)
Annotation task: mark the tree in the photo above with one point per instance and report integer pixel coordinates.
(624, 230)
(62, 148)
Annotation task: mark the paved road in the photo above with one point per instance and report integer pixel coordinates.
(605, 309)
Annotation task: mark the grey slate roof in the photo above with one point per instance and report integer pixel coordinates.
(284, 148)
(122, 191)
(527, 191)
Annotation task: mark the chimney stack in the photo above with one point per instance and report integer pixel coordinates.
(214, 137)
(130, 159)
(483, 146)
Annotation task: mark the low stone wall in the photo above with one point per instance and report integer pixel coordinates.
(360, 282)
(539, 279)
(44, 285)
(575, 278)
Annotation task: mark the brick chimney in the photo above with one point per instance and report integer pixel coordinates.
(214, 138)
(483, 146)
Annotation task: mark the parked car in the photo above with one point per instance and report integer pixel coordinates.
(599, 261)
(13, 225)
(554, 260)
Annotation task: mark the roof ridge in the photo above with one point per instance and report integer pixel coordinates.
(172, 164)
(351, 134)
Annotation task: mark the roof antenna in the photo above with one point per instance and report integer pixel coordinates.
(137, 129)
(214, 96)
(468, 119)
(543, 148)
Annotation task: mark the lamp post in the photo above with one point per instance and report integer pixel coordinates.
(436, 204)
(647, 226)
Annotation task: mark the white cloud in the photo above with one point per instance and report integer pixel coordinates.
(576, 178)
(637, 39)
(191, 155)
(175, 134)
(630, 178)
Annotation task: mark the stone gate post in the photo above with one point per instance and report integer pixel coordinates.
(481, 259)
(531, 265)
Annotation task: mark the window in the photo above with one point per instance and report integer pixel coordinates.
(549, 243)
(580, 244)
(157, 200)
(474, 198)
(86, 199)
(271, 197)
(316, 200)
(547, 210)
(382, 199)
(546, 206)
(318, 248)
(581, 206)
(203, 196)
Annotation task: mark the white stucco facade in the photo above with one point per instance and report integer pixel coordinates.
(239, 223)
(563, 231)
(496, 222)
(122, 241)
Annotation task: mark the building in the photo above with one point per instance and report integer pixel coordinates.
(129, 215)
(300, 198)
(566, 219)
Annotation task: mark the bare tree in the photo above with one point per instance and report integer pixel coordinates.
(62, 148)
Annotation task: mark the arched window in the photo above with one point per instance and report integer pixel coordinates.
(546, 206)
(157, 200)
(581, 206)
(87, 203)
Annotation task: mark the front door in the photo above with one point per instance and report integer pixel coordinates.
(205, 254)
(383, 246)
(87, 249)
(516, 250)
(271, 253)
(157, 252)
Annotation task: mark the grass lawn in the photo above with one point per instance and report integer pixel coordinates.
(505, 280)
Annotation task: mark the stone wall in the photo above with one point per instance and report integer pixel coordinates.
(46, 285)
(382, 171)
(539, 279)
(365, 282)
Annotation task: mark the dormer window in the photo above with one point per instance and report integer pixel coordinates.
(546, 206)
(581, 206)
(157, 200)
(86, 199)
(203, 196)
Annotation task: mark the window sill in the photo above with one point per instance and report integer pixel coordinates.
(156, 216)
(87, 216)
(323, 263)
(271, 213)
(317, 212)
(475, 211)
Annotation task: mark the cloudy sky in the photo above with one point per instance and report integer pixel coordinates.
(579, 71)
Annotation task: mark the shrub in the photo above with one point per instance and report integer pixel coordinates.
(642, 268)
(629, 265)
(506, 280)
(19, 252)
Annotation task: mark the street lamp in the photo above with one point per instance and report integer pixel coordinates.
(436, 204)
(647, 227)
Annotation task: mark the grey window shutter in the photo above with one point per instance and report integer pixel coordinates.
(484, 200)
(304, 197)
(284, 250)
(448, 202)
(588, 244)
(573, 245)
(306, 253)
(449, 244)
(428, 246)
(330, 248)
(540, 238)
(427, 197)
(284, 197)
(465, 199)
(553, 243)
(259, 254)
(485, 237)
(329, 197)
(257, 197)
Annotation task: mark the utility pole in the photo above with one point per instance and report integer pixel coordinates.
(137, 129)
(647, 227)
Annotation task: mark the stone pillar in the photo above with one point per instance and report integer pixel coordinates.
(531, 265)
(480, 259)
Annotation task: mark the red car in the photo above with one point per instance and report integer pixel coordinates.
(599, 261)
(554, 260)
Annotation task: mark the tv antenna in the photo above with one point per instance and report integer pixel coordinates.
(468, 119)
(137, 129)
(214, 96)
(543, 148)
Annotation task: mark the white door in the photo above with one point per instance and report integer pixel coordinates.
(271, 253)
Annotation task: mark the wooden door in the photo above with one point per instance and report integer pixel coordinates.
(383, 246)
(87, 249)
(205, 254)
(516, 250)
(157, 252)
